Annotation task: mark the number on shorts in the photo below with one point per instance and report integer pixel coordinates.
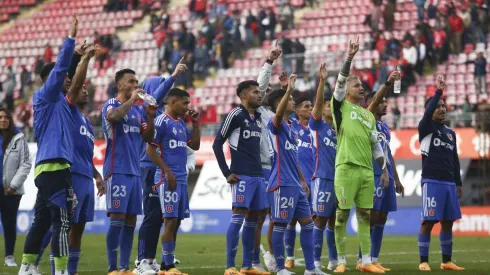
(285, 203)
(118, 191)
(431, 202)
(321, 196)
(241, 186)
(171, 196)
(379, 191)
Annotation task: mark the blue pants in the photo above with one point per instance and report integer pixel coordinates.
(152, 222)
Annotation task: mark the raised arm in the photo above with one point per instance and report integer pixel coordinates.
(281, 108)
(320, 101)
(383, 91)
(432, 105)
(266, 70)
(116, 114)
(195, 141)
(81, 74)
(148, 128)
(163, 89)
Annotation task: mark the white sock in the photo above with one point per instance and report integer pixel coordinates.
(318, 263)
(374, 260)
(290, 258)
(342, 260)
(366, 259)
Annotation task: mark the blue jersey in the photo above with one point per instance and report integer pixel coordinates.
(438, 146)
(306, 154)
(53, 121)
(385, 144)
(158, 88)
(285, 156)
(123, 141)
(84, 145)
(325, 145)
(243, 132)
(171, 138)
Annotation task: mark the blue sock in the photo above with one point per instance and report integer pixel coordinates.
(256, 256)
(306, 240)
(44, 244)
(376, 240)
(290, 240)
(278, 244)
(112, 242)
(126, 246)
(446, 239)
(73, 258)
(232, 239)
(51, 262)
(168, 253)
(318, 242)
(424, 243)
(248, 240)
(332, 250)
(359, 255)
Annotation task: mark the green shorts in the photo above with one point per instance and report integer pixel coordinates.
(354, 184)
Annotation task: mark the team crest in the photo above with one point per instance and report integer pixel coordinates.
(450, 136)
(365, 115)
(258, 124)
(343, 201)
(116, 203)
(246, 123)
(321, 208)
(169, 208)
(329, 132)
(301, 132)
(174, 131)
(126, 118)
(432, 212)
(240, 198)
(284, 214)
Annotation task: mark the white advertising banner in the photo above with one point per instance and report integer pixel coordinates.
(212, 192)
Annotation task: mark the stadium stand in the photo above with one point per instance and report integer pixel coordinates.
(10, 8)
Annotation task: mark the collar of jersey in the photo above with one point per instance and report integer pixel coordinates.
(256, 114)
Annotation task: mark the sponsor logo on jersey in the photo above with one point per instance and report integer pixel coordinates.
(247, 134)
(176, 143)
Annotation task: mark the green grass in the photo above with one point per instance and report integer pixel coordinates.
(206, 255)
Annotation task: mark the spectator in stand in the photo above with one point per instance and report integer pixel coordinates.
(111, 89)
(38, 67)
(420, 8)
(8, 88)
(421, 56)
(410, 57)
(201, 54)
(267, 24)
(312, 3)
(221, 7)
(457, 28)
(251, 30)
(389, 14)
(393, 47)
(396, 115)
(439, 44)
(25, 82)
(484, 22)
(465, 14)
(48, 53)
(466, 111)
(286, 16)
(299, 50)
(480, 72)
(287, 50)
(116, 44)
(431, 6)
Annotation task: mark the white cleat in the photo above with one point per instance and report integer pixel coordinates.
(259, 267)
(285, 272)
(176, 261)
(332, 265)
(155, 266)
(26, 269)
(36, 271)
(144, 268)
(61, 272)
(315, 272)
(10, 261)
(269, 260)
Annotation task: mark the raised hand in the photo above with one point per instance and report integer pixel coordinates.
(91, 50)
(80, 49)
(394, 75)
(180, 68)
(74, 26)
(323, 71)
(440, 83)
(283, 79)
(353, 47)
(195, 116)
(275, 52)
(292, 81)
(134, 94)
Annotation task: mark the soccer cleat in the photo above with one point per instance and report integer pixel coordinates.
(259, 267)
(172, 271)
(61, 272)
(315, 272)
(155, 266)
(319, 266)
(126, 272)
(115, 272)
(289, 263)
(370, 268)
(424, 266)
(176, 261)
(332, 265)
(144, 268)
(253, 271)
(36, 271)
(359, 265)
(270, 261)
(340, 268)
(285, 272)
(10, 261)
(379, 266)
(451, 266)
(26, 269)
(231, 271)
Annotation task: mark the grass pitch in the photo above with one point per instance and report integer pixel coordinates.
(206, 255)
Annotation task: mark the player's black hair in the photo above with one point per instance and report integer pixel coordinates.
(429, 99)
(245, 85)
(46, 70)
(369, 97)
(120, 74)
(274, 96)
(327, 97)
(300, 100)
(175, 92)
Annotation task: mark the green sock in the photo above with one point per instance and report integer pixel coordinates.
(29, 258)
(364, 231)
(61, 263)
(341, 231)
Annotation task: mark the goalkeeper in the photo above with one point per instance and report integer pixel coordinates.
(356, 144)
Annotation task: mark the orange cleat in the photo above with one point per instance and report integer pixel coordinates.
(424, 266)
(253, 271)
(451, 266)
(370, 268)
(115, 272)
(340, 268)
(126, 272)
(231, 271)
(172, 271)
(379, 266)
(359, 266)
(289, 264)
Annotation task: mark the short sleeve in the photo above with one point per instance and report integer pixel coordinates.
(314, 123)
(273, 128)
(109, 105)
(160, 128)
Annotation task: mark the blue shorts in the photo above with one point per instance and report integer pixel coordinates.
(384, 199)
(323, 197)
(440, 201)
(309, 182)
(83, 189)
(288, 202)
(175, 204)
(267, 174)
(124, 194)
(249, 192)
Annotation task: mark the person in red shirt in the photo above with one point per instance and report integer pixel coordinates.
(439, 40)
(48, 54)
(457, 27)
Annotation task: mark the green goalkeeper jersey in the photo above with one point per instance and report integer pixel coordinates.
(354, 126)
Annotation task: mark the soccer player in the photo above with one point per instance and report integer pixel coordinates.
(124, 127)
(171, 140)
(242, 127)
(384, 197)
(441, 180)
(322, 187)
(149, 231)
(288, 191)
(53, 129)
(356, 144)
(306, 158)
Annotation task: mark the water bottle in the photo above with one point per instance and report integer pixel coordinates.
(146, 100)
(397, 85)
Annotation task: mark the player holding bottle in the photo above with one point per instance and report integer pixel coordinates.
(441, 180)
